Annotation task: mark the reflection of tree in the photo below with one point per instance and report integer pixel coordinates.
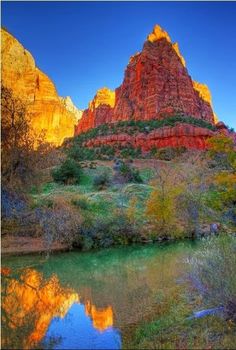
(28, 306)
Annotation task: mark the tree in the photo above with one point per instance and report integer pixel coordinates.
(223, 198)
(222, 149)
(161, 204)
(23, 152)
(16, 141)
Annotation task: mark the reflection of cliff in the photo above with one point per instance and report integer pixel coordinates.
(102, 318)
(36, 301)
(30, 303)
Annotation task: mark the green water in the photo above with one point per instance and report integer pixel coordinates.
(86, 300)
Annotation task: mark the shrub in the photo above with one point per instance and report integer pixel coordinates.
(81, 203)
(129, 173)
(59, 223)
(101, 181)
(103, 232)
(213, 272)
(68, 173)
(170, 153)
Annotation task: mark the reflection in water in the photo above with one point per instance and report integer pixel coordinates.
(102, 318)
(109, 290)
(30, 303)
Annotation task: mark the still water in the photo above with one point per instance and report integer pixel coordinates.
(85, 300)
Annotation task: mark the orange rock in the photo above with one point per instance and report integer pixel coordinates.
(47, 112)
(157, 34)
(99, 112)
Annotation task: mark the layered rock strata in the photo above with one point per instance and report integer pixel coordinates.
(186, 135)
(156, 85)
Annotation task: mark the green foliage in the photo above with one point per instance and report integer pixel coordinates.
(105, 231)
(132, 127)
(76, 149)
(222, 152)
(129, 173)
(101, 181)
(213, 272)
(130, 152)
(79, 153)
(169, 153)
(81, 203)
(68, 173)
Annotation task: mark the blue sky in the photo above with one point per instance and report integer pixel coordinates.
(83, 46)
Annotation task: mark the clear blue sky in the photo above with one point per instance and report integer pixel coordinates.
(83, 46)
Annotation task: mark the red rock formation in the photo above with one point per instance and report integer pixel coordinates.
(156, 85)
(185, 135)
(99, 112)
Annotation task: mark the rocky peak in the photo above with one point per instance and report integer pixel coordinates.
(69, 105)
(104, 96)
(156, 85)
(157, 34)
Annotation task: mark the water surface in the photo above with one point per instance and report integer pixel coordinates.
(85, 300)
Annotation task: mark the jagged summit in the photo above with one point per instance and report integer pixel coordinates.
(156, 85)
(103, 96)
(157, 34)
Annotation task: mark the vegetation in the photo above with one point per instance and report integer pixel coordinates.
(135, 126)
(68, 173)
(101, 181)
(213, 272)
(128, 172)
(91, 205)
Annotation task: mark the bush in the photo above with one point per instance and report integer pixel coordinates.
(68, 173)
(129, 173)
(103, 232)
(101, 181)
(213, 272)
(59, 223)
(81, 203)
(169, 153)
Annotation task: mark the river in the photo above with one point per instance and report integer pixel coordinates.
(86, 300)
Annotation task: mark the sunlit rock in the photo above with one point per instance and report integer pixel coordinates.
(46, 111)
(156, 85)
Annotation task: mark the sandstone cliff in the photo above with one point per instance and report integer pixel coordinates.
(156, 85)
(47, 112)
(99, 112)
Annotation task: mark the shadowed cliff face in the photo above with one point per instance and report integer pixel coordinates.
(156, 85)
(46, 110)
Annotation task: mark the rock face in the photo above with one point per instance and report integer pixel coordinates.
(69, 105)
(156, 85)
(47, 112)
(99, 112)
(186, 135)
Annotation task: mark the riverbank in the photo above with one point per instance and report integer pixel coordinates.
(17, 245)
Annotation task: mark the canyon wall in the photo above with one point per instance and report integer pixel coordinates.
(46, 111)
